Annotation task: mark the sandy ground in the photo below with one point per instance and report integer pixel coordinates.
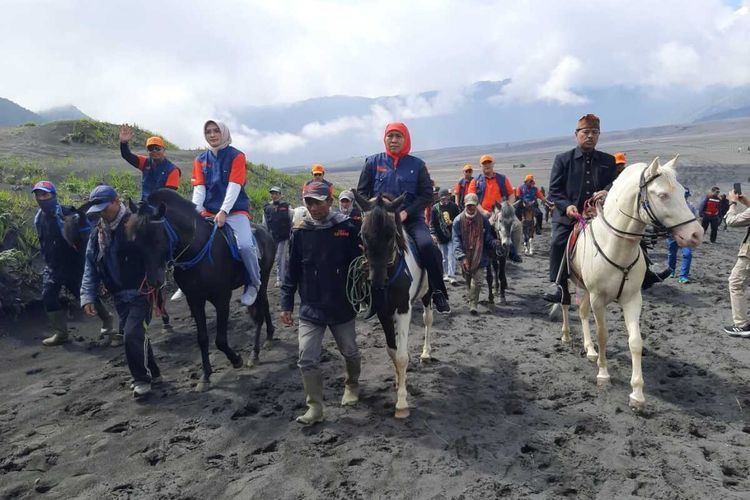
(504, 411)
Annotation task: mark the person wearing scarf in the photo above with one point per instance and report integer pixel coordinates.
(473, 239)
(395, 172)
(118, 264)
(323, 245)
(219, 175)
(63, 264)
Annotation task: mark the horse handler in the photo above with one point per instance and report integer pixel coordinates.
(473, 239)
(117, 263)
(322, 247)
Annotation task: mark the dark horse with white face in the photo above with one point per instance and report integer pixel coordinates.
(396, 279)
(170, 231)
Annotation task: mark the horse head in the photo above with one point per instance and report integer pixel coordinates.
(662, 202)
(76, 228)
(146, 229)
(381, 234)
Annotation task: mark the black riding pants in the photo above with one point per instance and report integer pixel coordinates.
(429, 254)
(560, 233)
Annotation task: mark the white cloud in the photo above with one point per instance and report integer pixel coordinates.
(169, 65)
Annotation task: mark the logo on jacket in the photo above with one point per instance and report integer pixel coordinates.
(341, 233)
(381, 168)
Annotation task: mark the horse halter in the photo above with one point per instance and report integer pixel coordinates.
(643, 203)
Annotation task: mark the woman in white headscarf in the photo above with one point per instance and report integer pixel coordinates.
(218, 179)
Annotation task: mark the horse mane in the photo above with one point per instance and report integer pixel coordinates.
(378, 217)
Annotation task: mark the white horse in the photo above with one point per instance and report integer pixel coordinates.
(607, 262)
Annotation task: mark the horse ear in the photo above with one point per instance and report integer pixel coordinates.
(653, 168)
(672, 163)
(379, 201)
(394, 205)
(133, 208)
(362, 202)
(162, 210)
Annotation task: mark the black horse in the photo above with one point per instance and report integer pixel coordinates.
(170, 231)
(502, 223)
(397, 279)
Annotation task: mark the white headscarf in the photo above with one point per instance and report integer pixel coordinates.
(226, 137)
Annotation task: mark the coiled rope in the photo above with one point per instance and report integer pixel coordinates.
(358, 286)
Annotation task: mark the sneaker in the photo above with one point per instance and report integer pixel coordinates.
(738, 331)
(441, 302)
(684, 280)
(154, 381)
(672, 274)
(516, 258)
(141, 388)
(249, 296)
(451, 280)
(446, 278)
(178, 295)
(473, 311)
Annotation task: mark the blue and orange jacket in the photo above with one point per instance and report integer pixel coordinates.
(527, 193)
(396, 174)
(155, 176)
(216, 172)
(461, 190)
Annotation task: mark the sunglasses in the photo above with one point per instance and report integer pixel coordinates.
(154, 148)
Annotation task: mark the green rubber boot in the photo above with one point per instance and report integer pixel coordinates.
(351, 384)
(313, 382)
(58, 323)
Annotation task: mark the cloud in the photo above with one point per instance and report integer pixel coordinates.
(169, 65)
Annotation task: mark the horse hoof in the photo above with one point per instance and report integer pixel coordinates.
(401, 414)
(565, 339)
(251, 363)
(602, 381)
(425, 359)
(268, 344)
(239, 363)
(635, 404)
(592, 357)
(503, 302)
(203, 386)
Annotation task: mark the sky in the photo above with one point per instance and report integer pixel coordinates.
(170, 65)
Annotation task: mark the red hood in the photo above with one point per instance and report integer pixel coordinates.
(398, 127)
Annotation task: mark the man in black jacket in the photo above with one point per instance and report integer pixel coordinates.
(323, 246)
(277, 217)
(577, 175)
(441, 226)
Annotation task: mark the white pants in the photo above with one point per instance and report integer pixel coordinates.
(243, 232)
(739, 280)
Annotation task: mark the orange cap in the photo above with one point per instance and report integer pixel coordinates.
(486, 158)
(155, 141)
(528, 178)
(318, 169)
(620, 158)
(468, 168)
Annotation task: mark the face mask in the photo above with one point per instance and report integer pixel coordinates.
(48, 206)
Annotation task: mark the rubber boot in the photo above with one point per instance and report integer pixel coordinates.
(58, 323)
(351, 384)
(313, 383)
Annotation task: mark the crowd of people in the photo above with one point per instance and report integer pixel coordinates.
(451, 231)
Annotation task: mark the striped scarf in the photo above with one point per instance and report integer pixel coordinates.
(472, 229)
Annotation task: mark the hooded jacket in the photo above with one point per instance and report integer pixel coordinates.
(319, 260)
(396, 174)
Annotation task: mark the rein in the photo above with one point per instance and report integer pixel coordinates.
(625, 270)
(173, 239)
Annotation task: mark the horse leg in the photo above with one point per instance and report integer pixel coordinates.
(198, 310)
(489, 276)
(600, 315)
(584, 311)
(503, 279)
(565, 324)
(427, 318)
(632, 314)
(222, 322)
(531, 242)
(258, 316)
(401, 360)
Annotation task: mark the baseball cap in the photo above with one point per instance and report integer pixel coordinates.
(318, 169)
(155, 141)
(620, 158)
(468, 168)
(45, 186)
(317, 190)
(471, 199)
(102, 196)
(274, 189)
(346, 195)
(486, 158)
(528, 178)
(444, 192)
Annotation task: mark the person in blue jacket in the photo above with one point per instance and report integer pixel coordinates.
(323, 245)
(117, 263)
(395, 172)
(63, 264)
(158, 172)
(219, 175)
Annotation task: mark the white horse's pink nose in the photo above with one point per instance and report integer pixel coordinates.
(690, 235)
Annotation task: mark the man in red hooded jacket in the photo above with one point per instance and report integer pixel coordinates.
(396, 172)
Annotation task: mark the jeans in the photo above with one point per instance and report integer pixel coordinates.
(243, 232)
(687, 257)
(449, 261)
(135, 314)
(282, 258)
(311, 343)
